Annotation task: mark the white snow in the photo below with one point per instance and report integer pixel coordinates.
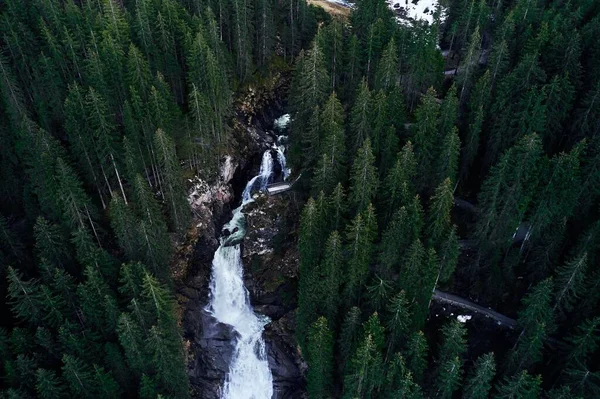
(415, 10)
(464, 318)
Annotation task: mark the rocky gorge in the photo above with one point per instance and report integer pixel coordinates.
(268, 252)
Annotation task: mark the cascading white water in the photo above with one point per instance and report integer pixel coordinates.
(249, 374)
(263, 177)
(280, 148)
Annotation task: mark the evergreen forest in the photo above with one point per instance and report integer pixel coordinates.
(435, 165)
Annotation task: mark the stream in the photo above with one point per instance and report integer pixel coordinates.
(249, 375)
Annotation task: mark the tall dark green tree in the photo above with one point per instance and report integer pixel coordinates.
(320, 357)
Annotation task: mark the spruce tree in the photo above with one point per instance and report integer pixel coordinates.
(416, 354)
(480, 381)
(426, 137)
(399, 322)
(363, 178)
(537, 322)
(337, 206)
(439, 221)
(519, 386)
(401, 232)
(387, 71)
(360, 117)
(350, 332)
(105, 136)
(398, 186)
(449, 379)
(24, 297)
(330, 168)
(48, 385)
(170, 171)
(360, 236)
(584, 341)
(364, 374)
(320, 357)
(569, 283)
(331, 275)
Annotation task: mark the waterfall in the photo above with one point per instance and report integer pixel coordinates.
(249, 373)
(280, 148)
(263, 177)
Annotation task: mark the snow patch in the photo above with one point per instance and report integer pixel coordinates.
(416, 10)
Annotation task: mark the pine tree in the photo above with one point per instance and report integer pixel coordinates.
(360, 117)
(124, 226)
(387, 71)
(242, 37)
(416, 354)
(583, 381)
(24, 297)
(167, 359)
(313, 84)
(171, 174)
(583, 342)
(364, 374)
(449, 379)
(478, 105)
(265, 35)
(130, 338)
(399, 380)
(332, 38)
(399, 321)
(337, 206)
(379, 134)
(465, 75)
(50, 242)
(105, 136)
(448, 159)
(378, 292)
(409, 273)
(439, 223)
(360, 235)
(48, 385)
(536, 321)
(363, 178)
(569, 283)
(480, 381)
(331, 273)
(97, 302)
(518, 172)
(350, 332)
(454, 342)
(75, 204)
(401, 232)
(398, 186)
(519, 386)
(78, 376)
(330, 169)
(426, 136)
(320, 357)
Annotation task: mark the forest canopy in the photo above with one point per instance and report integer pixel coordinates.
(459, 156)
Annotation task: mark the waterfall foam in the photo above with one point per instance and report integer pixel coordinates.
(249, 373)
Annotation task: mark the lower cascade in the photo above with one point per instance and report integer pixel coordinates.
(249, 374)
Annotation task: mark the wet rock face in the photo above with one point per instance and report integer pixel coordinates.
(211, 345)
(271, 261)
(285, 360)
